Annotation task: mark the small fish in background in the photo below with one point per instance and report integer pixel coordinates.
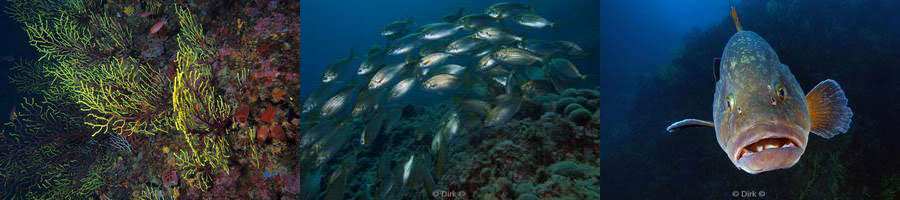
(441, 82)
(396, 29)
(516, 57)
(486, 63)
(497, 36)
(337, 103)
(565, 68)
(386, 75)
(402, 88)
(337, 68)
(373, 62)
(436, 31)
(434, 59)
(536, 88)
(570, 48)
(407, 43)
(533, 21)
(507, 9)
(505, 107)
(540, 47)
(761, 116)
(475, 21)
(464, 45)
(452, 69)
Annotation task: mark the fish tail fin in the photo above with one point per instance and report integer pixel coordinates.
(828, 111)
(735, 18)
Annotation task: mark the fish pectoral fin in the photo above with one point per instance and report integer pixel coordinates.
(828, 111)
(688, 123)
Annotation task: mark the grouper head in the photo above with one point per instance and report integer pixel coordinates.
(759, 109)
(761, 116)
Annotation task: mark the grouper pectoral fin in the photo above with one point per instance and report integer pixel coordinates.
(828, 111)
(688, 123)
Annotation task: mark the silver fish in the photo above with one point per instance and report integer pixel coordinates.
(570, 48)
(317, 132)
(439, 30)
(536, 88)
(496, 35)
(516, 57)
(336, 103)
(314, 99)
(452, 69)
(396, 27)
(540, 47)
(507, 9)
(533, 21)
(487, 63)
(475, 21)
(337, 68)
(464, 45)
(451, 124)
(402, 87)
(506, 107)
(366, 102)
(484, 52)
(441, 82)
(406, 44)
(565, 68)
(476, 106)
(434, 59)
(332, 143)
(373, 61)
(385, 75)
(372, 130)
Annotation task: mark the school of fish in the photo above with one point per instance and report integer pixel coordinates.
(481, 61)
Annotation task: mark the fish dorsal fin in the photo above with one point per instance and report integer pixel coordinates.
(828, 111)
(734, 17)
(688, 123)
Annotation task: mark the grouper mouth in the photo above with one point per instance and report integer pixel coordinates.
(768, 147)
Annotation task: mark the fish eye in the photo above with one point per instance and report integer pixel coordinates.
(729, 101)
(782, 92)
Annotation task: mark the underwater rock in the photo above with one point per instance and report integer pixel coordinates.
(579, 116)
(572, 107)
(572, 169)
(562, 103)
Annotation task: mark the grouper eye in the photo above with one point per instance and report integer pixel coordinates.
(782, 92)
(729, 101)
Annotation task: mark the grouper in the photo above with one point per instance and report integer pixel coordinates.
(761, 116)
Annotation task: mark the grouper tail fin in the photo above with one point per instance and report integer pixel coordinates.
(828, 110)
(734, 17)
